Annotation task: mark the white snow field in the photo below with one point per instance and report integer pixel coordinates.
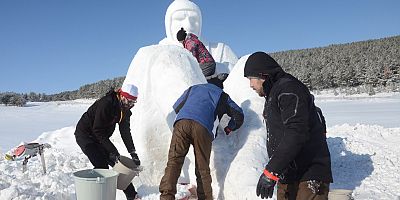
(363, 137)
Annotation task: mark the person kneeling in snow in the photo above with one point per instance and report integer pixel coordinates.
(97, 125)
(196, 110)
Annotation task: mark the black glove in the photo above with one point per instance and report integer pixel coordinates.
(114, 157)
(135, 158)
(266, 184)
(222, 76)
(227, 130)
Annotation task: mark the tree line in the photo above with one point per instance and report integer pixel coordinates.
(370, 64)
(88, 91)
(367, 66)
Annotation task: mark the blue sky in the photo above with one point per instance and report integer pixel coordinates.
(50, 46)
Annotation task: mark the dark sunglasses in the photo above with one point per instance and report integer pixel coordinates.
(129, 102)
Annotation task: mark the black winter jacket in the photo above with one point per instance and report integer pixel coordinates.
(97, 124)
(296, 141)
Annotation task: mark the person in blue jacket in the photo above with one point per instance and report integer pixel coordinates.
(197, 109)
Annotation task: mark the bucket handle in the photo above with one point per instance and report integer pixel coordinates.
(99, 180)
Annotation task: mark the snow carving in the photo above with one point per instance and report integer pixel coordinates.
(162, 72)
(186, 14)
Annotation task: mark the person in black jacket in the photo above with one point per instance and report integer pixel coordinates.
(97, 125)
(299, 158)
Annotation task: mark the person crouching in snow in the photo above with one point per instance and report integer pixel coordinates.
(198, 50)
(197, 109)
(97, 125)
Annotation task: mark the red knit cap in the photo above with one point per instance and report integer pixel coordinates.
(129, 91)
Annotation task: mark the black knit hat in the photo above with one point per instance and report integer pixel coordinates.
(260, 64)
(181, 35)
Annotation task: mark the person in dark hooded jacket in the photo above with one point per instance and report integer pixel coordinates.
(299, 158)
(97, 125)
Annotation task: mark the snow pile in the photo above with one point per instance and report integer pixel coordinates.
(249, 141)
(365, 158)
(58, 183)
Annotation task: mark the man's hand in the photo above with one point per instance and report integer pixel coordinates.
(135, 158)
(266, 184)
(114, 157)
(227, 130)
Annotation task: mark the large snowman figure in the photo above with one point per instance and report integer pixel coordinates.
(162, 72)
(186, 14)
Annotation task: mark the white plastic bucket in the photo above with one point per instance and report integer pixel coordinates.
(127, 170)
(340, 194)
(95, 184)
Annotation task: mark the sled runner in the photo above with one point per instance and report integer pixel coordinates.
(25, 152)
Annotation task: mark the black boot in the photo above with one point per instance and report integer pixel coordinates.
(130, 192)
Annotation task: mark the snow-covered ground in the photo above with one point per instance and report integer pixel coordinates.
(27, 123)
(363, 137)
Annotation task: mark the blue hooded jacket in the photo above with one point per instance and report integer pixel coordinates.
(204, 102)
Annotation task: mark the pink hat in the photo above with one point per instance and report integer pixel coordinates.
(129, 91)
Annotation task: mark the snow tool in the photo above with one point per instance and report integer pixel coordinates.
(25, 152)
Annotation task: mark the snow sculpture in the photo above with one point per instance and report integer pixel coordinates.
(248, 144)
(186, 14)
(161, 73)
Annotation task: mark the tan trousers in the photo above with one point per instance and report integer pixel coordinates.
(185, 133)
(300, 191)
